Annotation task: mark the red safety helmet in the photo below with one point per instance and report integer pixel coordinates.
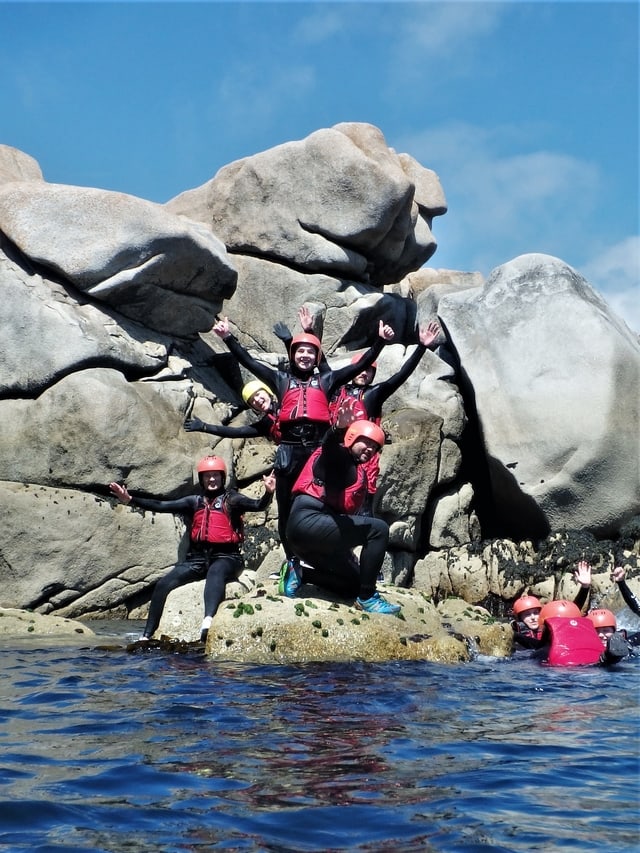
(306, 338)
(373, 365)
(212, 463)
(602, 619)
(525, 602)
(364, 429)
(562, 608)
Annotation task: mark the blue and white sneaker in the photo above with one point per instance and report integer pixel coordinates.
(290, 578)
(377, 604)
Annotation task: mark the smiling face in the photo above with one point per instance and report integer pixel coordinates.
(364, 378)
(260, 401)
(212, 481)
(604, 632)
(531, 618)
(363, 449)
(305, 357)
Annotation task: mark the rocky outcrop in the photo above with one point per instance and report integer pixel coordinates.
(157, 269)
(260, 626)
(107, 300)
(553, 377)
(24, 625)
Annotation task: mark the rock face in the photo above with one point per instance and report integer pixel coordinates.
(261, 626)
(107, 300)
(554, 378)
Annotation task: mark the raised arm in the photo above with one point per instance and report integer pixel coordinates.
(258, 368)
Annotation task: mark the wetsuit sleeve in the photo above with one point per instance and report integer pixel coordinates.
(181, 505)
(262, 371)
(247, 431)
(629, 598)
(240, 503)
(333, 379)
(582, 596)
(385, 389)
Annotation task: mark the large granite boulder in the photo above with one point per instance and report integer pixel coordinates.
(552, 382)
(339, 202)
(158, 269)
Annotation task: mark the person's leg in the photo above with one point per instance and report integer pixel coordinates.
(286, 477)
(222, 569)
(181, 574)
(324, 539)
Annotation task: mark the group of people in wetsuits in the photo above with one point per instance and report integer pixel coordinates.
(596, 633)
(326, 425)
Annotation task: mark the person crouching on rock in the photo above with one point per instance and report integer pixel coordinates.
(215, 517)
(323, 527)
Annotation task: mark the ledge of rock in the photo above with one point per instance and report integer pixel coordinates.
(23, 623)
(264, 627)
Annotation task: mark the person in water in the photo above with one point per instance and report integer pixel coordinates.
(527, 630)
(569, 639)
(324, 527)
(215, 518)
(302, 395)
(258, 397)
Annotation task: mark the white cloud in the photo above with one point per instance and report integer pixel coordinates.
(442, 29)
(320, 26)
(615, 272)
(250, 93)
(507, 204)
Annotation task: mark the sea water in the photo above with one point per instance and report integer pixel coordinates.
(104, 750)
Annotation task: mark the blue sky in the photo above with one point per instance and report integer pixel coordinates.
(528, 111)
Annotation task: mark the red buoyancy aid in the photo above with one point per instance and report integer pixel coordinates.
(304, 400)
(348, 501)
(212, 523)
(274, 428)
(353, 392)
(574, 642)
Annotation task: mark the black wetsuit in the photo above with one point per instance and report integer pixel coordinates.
(324, 537)
(298, 438)
(217, 562)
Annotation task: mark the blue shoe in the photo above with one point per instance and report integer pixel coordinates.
(290, 578)
(377, 604)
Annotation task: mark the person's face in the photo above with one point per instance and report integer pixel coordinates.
(211, 481)
(531, 618)
(604, 633)
(364, 378)
(305, 357)
(260, 401)
(363, 449)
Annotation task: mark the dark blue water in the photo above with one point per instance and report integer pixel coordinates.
(109, 751)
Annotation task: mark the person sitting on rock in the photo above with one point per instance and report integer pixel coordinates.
(215, 517)
(261, 399)
(324, 527)
(303, 397)
(368, 399)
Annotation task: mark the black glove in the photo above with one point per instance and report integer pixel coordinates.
(195, 425)
(282, 331)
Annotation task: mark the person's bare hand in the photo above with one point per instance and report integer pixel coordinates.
(269, 481)
(305, 318)
(618, 574)
(429, 334)
(582, 574)
(120, 492)
(385, 332)
(221, 328)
